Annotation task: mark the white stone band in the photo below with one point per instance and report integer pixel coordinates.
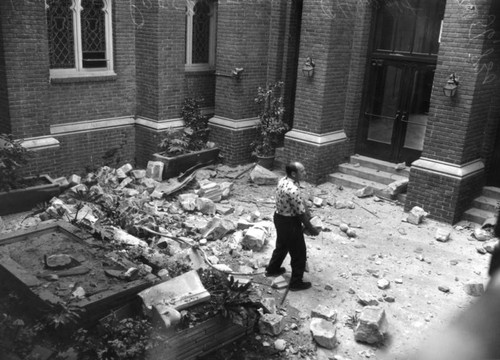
(447, 169)
(232, 124)
(316, 139)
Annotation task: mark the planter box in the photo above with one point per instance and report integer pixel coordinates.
(174, 165)
(25, 199)
(22, 268)
(199, 340)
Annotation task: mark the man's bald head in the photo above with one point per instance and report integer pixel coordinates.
(295, 170)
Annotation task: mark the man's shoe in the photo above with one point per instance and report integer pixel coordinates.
(303, 285)
(281, 271)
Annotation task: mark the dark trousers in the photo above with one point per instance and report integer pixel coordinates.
(289, 239)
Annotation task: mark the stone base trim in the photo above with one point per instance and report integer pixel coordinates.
(159, 125)
(234, 124)
(316, 139)
(40, 143)
(91, 125)
(449, 170)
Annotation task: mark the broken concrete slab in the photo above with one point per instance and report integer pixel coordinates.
(179, 293)
(372, 325)
(262, 176)
(138, 174)
(125, 238)
(269, 305)
(271, 324)
(74, 180)
(324, 333)
(125, 168)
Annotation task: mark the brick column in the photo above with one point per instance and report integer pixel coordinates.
(318, 137)
(242, 42)
(24, 47)
(450, 172)
(160, 54)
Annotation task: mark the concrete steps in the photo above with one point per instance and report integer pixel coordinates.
(362, 171)
(484, 206)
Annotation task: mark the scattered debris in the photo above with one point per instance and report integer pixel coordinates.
(442, 235)
(271, 324)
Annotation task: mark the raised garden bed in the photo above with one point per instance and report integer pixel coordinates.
(199, 340)
(175, 165)
(25, 199)
(23, 266)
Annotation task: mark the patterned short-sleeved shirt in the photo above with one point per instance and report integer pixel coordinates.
(288, 198)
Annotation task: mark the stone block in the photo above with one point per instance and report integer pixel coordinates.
(372, 325)
(165, 316)
(62, 182)
(261, 176)
(155, 170)
(269, 304)
(205, 206)
(364, 192)
(188, 201)
(138, 174)
(179, 293)
(255, 238)
(474, 289)
(324, 333)
(217, 228)
(279, 283)
(125, 168)
(74, 180)
(416, 215)
(324, 312)
(367, 299)
(442, 235)
(224, 209)
(271, 324)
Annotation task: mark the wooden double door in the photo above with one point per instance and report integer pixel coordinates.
(397, 95)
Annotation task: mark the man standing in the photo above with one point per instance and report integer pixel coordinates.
(290, 214)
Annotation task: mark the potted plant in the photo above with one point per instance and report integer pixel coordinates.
(181, 149)
(18, 193)
(271, 127)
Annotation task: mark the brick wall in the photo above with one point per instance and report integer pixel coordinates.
(457, 126)
(148, 140)
(319, 161)
(233, 144)
(24, 35)
(80, 153)
(201, 85)
(242, 35)
(4, 100)
(443, 197)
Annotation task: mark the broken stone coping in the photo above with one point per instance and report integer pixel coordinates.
(35, 289)
(179, 293)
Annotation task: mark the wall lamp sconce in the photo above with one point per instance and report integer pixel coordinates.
(308, 68)
(236, 73)
(451, 86)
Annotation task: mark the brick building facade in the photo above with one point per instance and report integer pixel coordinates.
(79, 119)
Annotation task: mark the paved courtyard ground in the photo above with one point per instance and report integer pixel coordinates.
(426, 276)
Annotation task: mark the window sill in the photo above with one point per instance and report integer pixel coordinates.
(95, 76)
(190, 69)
